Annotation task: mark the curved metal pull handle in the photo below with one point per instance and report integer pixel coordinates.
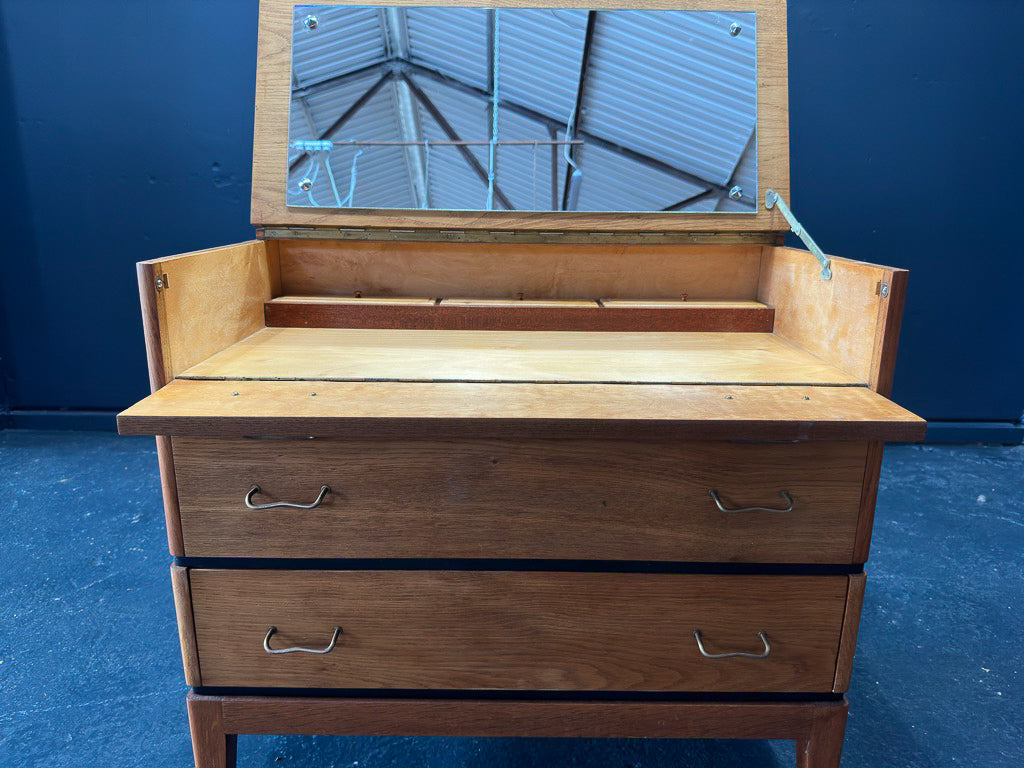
(324, 490)
(330, 646)
(722, 508)
(741, 654)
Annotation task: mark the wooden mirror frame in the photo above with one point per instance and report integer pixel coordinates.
(273, 101)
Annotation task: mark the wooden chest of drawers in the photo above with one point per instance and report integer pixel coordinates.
(463, 474)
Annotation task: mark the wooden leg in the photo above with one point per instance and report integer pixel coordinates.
(211, 746)
(824, 746)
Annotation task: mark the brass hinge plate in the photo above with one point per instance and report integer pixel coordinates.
(515, 236)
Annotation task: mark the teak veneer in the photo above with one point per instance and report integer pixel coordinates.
(540, 470)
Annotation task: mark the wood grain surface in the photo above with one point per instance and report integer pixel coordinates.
(210, 299)
(212, 747)
(491, 630)
(547, 499)
(429, 410)
(504, 270)
(869, 495)
(186, 625)
(273, 96)
(356, 354)
(513, 315)
(523, 718)
(848, 639)
(846, 320)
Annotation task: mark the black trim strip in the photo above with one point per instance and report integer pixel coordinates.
(205, 690)
(472, 564)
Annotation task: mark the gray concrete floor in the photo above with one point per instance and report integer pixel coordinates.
(90, 669)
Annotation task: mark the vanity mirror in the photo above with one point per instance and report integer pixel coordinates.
(523, 109)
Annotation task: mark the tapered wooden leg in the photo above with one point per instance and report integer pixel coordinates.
(211, 746)
(824, 746)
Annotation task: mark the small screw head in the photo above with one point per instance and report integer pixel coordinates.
(306, 184)
(312, 394)
(234, 394)
(728, 397)
(311, 22)
(884, 290)
(806, 397)
(735, 29)
(736, 193)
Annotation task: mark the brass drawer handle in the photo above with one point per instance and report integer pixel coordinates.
(330, 646)
(741, 654)
(324, 490)
(722, 508)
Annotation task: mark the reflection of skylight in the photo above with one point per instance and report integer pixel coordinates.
(664, 124)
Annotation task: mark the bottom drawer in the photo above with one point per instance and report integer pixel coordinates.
(519, 630)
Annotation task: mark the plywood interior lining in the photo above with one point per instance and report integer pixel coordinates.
(347, 354)
(507, 271)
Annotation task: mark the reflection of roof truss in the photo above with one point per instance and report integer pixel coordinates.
(407, 68)
(444, 73)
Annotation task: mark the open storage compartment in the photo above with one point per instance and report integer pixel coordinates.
(425, 335)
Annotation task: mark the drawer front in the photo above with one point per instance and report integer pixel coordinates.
(546, 499)
(469, 630)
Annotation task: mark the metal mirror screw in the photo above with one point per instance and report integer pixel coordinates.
(736, 193)
(306, 184)
(330, 646)
(735, 29)
(883, 290)
(740, 654)
(311, 22)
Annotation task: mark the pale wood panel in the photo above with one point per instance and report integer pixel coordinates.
(679, 304)
(400, 301)
(544, 499)
(512, 302)
(518, 631)
(212, 299)
(845, 320)
(355, 354)
(526, 718)
(273, 94)
(505, 270)
(408, 410)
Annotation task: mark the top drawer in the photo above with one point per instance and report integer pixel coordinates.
(543, 499)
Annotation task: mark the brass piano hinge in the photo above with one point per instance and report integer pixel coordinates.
(515, 236)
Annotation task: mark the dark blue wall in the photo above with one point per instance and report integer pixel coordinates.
(132, 124)
(127, 133)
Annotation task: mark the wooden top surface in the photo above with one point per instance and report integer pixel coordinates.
(435, 411)
(355, 354)
(273, 99)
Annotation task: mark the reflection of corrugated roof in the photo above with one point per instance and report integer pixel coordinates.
(666, 124)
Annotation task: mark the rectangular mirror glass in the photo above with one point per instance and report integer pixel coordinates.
(525, 109)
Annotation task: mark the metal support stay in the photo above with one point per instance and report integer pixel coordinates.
(771, 199)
